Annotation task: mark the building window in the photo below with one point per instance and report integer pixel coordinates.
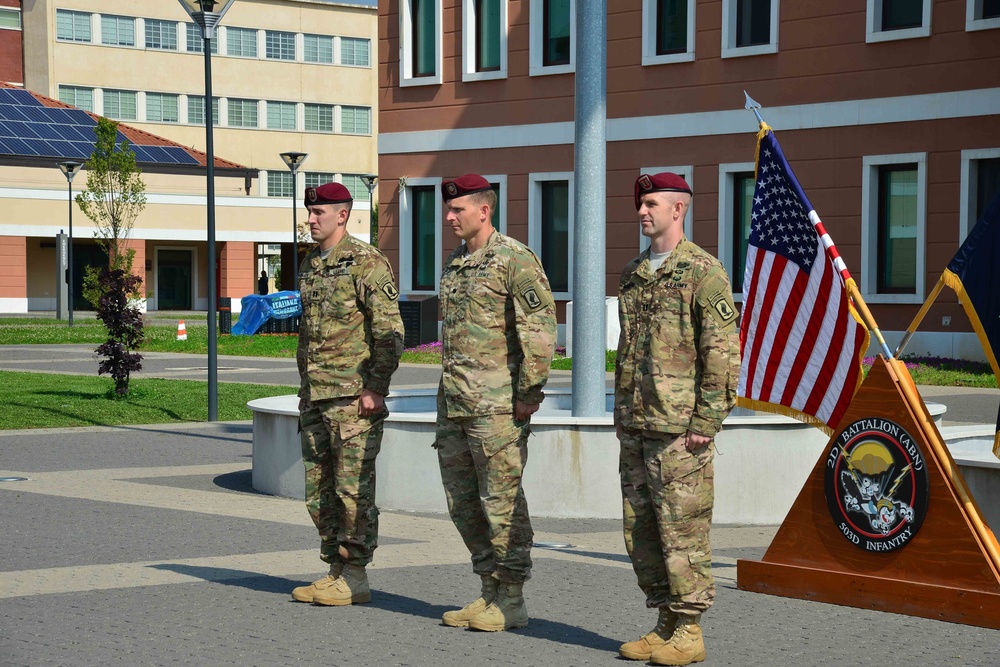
(484, 39)
(281, 115)
(743, 187)
(241, 42)
(893, 219)
(317, 49)
(72, 26)
(425, 221)
(420, 42)
(82, 98)
(280, 184)
(980, 184)
(319, 118)
(196, 110)
(897, 19)
(10, 18)
(749, 27)
(356, 186)
(897, 229)
(552, 31)
(356, 120)
(355, 51)
(161, 35)
(736, 186)
(279, 45)
(195, 43)
(161, 107)
(121, 104)
(550, 232)
(117, 30)
(242, 113)
(668, 31)
(982, 14)
(314, 179)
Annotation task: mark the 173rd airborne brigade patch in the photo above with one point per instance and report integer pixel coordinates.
(876, 484)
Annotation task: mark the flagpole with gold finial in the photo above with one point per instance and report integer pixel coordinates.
(853, 292)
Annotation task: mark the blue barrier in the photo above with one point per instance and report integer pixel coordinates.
(258, 309)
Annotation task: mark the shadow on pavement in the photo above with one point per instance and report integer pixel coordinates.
(540, 628)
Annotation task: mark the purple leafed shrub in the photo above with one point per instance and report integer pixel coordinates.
(124, 324)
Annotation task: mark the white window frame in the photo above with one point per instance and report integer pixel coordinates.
(100, 35)
(406, 234)
(338, 53)
(875, 33)
(536, 35)
(729, 48)
(969, 187)
(501, 180)
(869, 226)
(535, 217)
(469, 72)
(725, 244)
(649, 55)
(974, 8)
(406, 77)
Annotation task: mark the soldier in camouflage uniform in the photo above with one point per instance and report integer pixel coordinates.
(498, 335)
(675, 382)
(350, 341)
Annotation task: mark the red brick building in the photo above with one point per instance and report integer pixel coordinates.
(888, 111)
(11, 44)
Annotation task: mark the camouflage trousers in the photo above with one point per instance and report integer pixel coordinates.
(482, 459)
(668, 493)
(339, 450)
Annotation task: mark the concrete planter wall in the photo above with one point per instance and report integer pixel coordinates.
(762, 460)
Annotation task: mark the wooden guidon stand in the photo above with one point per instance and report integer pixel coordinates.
(943, 564)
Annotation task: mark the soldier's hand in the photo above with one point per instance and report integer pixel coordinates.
(696, 441)
(524, 410)
(372, 403)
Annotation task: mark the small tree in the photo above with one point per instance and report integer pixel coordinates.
(114, 197)
(123, 321)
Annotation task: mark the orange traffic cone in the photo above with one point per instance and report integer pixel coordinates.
(182, 333)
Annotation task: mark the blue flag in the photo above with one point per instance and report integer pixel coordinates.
(974, 274)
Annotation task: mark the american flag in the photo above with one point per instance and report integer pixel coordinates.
(801, 339)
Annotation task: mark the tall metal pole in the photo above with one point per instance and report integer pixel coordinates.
(213, 366)
(589, 246)
(295, 236)
(69, 251)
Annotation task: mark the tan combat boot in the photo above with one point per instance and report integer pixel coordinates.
(643, 647)
(350, 588)
(505, 612)
(306, 593)
(685, 646)
(459, 618)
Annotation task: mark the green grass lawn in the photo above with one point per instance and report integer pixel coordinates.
(44, 400)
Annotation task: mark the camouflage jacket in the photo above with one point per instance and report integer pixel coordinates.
(498, 329)
(679, 351)
(350, 334)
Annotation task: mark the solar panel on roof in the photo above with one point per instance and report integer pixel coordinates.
(180, 154)
(22, 97)
(80, 149)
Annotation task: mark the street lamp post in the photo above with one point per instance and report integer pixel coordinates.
(293, 161)
(205, 14)
(370, 181)
(70, 168)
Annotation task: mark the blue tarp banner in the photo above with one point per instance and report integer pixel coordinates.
(258, 309)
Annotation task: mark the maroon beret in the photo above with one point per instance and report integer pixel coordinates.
(328, 193)
(663, 182)
(464, 185)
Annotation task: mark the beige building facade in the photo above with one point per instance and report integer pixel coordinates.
(288, 76)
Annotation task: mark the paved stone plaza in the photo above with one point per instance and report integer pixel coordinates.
(147, 546)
